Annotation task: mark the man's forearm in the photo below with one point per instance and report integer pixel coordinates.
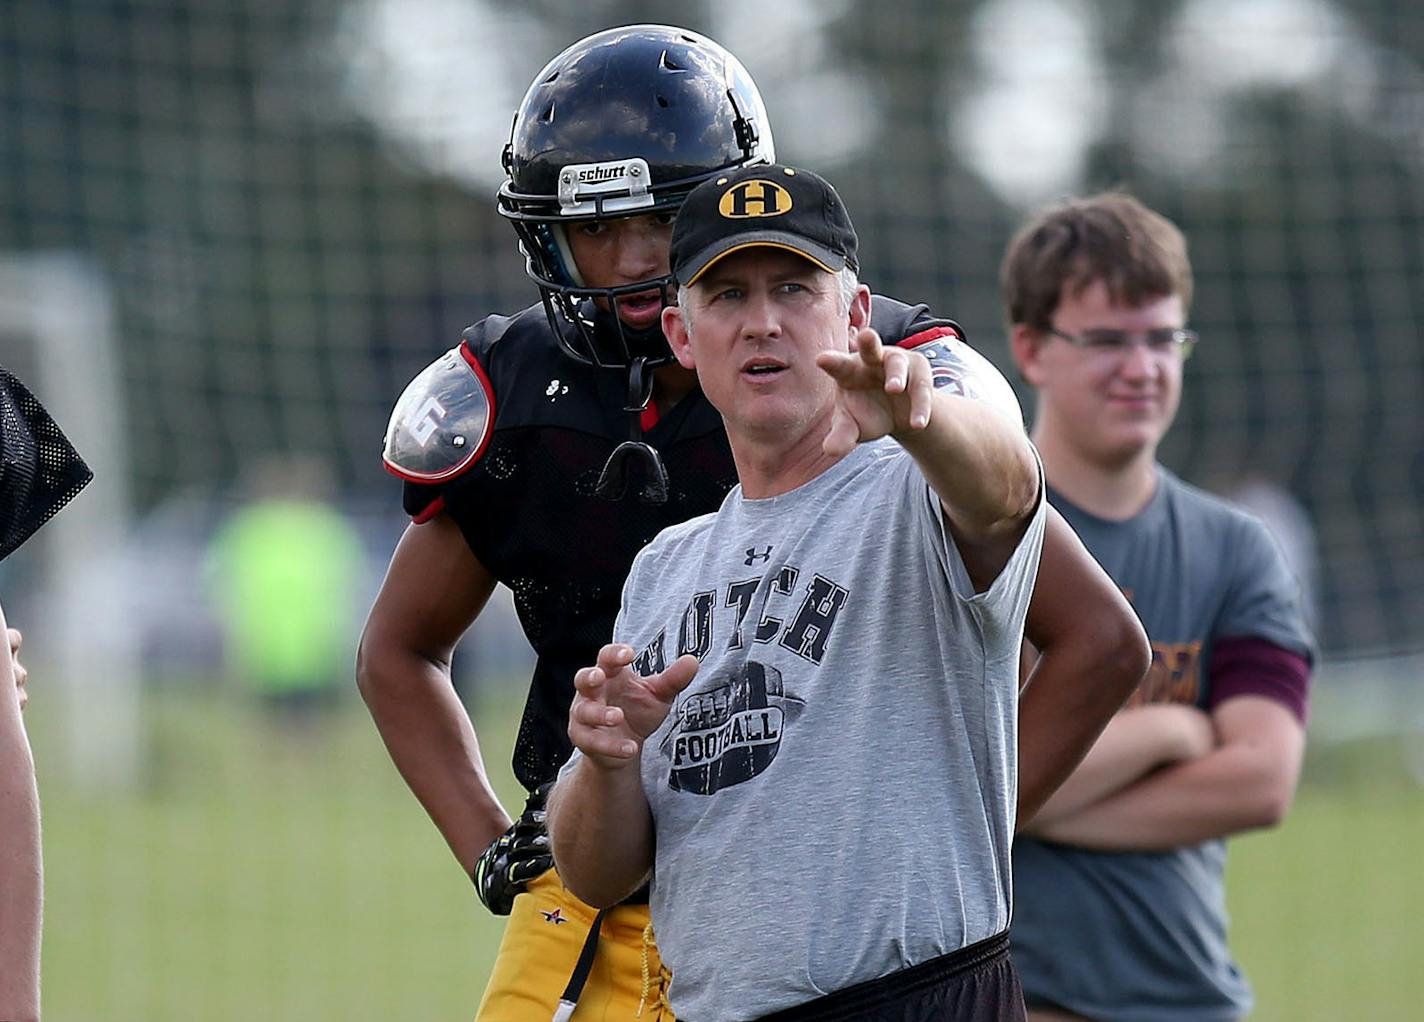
(1222, 793)
(601, 832)
(979, 464)
(20, 897)
(433, 745)
(1134, 743)
(1246, 781)
(1092, 654)
(1072, 694)
(20, 887)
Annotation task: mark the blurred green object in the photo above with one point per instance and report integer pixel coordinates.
(286, 571)
(258, 875)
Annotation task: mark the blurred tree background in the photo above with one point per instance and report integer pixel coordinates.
(277, 212)
(290, 204)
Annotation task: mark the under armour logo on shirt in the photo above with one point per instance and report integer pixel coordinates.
(753, 556)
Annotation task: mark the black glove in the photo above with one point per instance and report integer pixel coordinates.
(514, 858)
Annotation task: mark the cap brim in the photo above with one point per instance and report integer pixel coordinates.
(716, 252)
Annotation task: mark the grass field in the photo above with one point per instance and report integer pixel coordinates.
(262, 873)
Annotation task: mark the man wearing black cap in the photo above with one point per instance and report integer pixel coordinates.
(550, 446)
(828, 661)
(39, 473)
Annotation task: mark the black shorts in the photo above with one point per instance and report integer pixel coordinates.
(974, 984)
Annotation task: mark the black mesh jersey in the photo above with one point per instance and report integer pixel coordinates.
(528, 509)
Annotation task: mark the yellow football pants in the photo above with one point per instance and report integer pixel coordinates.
(542, 940)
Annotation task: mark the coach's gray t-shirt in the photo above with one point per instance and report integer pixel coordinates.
(1141, 937)
(834, 794)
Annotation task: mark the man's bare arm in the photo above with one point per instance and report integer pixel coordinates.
(1092, 653)
(1246, 782)
(1136, 742)
(599, 822)
(976, 459)
(433, 591)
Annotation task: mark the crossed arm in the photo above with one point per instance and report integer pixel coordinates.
(1242, 777)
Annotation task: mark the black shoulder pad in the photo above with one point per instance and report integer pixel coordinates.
(896, 322)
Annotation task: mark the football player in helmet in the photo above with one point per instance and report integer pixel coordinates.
(609, 139)
(548, 447)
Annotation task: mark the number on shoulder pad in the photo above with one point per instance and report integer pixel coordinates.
(442, 422)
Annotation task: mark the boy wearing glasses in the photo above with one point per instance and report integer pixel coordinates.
(1118, 887)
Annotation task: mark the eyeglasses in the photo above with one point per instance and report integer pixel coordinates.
(1116, 343)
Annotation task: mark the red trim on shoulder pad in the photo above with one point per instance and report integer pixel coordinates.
(474, 363)
(431, 510)
(649, 417)
(1251, 666)
(934, 333)
(469, 357)
(478, 452)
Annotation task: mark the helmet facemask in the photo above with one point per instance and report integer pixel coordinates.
(586, 319)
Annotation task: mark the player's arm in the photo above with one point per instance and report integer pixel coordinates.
(432, 592)
(20, 870)
(600, 824)
(1246, 781)
(1092, 653)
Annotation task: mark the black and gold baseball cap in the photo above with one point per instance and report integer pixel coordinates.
(768, 206)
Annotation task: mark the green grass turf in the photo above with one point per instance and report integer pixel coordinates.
(1328, 910)
(258, 873)
(274, 874)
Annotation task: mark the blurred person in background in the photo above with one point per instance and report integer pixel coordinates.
(40, 472)
(286, 567)
(1118, 881)
(550, 446)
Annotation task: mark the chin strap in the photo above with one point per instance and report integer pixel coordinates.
(613, 480)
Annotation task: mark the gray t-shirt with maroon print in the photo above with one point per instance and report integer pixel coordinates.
(1141, 937)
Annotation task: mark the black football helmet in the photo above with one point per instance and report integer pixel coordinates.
(623, 122)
